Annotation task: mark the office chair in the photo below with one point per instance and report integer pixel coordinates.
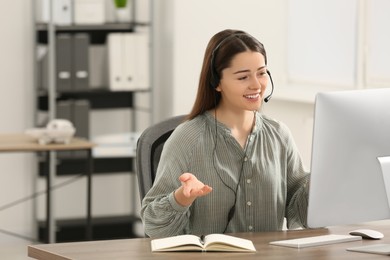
(149, 148)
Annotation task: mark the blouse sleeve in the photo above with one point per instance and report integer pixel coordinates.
(297, 186)
(162, 216)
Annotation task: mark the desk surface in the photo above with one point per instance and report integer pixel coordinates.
(139, 248)
(26, 143)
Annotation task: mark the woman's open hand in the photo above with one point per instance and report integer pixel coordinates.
(191, 189)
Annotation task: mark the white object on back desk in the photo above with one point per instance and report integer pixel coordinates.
(115, 145)
(56, 131)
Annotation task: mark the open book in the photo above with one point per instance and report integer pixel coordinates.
(212, 242)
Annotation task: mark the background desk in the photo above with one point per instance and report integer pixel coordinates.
(25, 143)
(139, 248)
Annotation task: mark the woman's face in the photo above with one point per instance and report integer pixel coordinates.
(242, 85)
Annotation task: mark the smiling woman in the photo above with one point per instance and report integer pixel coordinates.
(228, 168)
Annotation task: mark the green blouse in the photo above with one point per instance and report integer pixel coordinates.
(267, 180)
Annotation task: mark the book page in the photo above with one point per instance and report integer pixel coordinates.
(221, 242)
(177, 243)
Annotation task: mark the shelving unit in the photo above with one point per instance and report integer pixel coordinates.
(98, 99)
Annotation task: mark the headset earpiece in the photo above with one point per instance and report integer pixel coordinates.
(272, 87)
(214, 81)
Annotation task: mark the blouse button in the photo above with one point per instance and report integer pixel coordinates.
(250, 227)
(249, 203)
(245, 159)
(248, 181)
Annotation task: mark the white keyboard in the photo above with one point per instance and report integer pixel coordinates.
(316, 241)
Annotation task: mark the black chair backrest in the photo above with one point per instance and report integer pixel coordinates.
(149, 147)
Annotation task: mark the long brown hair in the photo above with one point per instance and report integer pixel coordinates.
(219, 53)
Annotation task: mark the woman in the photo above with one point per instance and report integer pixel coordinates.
(228, 168)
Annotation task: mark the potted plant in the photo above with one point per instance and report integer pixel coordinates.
(122, 10)
(120, 3)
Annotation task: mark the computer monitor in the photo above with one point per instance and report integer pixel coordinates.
(351, 130)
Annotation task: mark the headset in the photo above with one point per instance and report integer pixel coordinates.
(215, 79)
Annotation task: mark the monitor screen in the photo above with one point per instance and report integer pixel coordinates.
(351, 130)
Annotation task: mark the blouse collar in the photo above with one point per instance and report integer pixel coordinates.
(224, 129)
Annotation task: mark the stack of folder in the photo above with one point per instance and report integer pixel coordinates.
(128, 61)
(76, 111)
(72, 63)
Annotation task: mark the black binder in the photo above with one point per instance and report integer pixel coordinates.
(64, 111)
(80, 61)
(64, 62)
(80, 118)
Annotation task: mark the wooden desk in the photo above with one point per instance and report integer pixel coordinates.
(25, 143)
(139, 248)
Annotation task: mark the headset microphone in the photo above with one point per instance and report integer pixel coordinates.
(272, 89)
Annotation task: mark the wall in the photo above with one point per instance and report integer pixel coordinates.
(16, 112)
(183, 29)
(311, 47)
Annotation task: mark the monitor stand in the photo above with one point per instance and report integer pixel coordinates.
(385, 166)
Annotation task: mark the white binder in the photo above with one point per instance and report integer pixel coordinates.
(136, 64)
(129, 42)
(115, 61)
(89, 12)
(142, 60)
(128, 59)
(62, 11)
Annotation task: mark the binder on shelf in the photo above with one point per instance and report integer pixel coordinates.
(136, 60)
(141, 60)
(64, 111)
(80, 116)
(42, 73)
(128, 60)
(115, 66)
(129, 43)
(76, 111)
(97, 65)
(64, 62)
(62, 11)
(89, 12)
(80, 61)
